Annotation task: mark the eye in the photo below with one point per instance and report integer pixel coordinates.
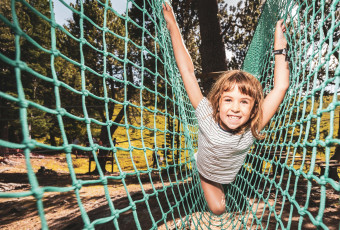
(244, 102)
(227, 100)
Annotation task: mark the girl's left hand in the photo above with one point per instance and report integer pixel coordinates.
(280, 41)
(168, 15)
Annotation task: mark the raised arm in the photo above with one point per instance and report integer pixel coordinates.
(281, 76)
(183, 59)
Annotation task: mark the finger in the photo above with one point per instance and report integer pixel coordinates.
(167, 6)
(279, 22)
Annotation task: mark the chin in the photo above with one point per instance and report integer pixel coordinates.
(227, 126)
(233, 128)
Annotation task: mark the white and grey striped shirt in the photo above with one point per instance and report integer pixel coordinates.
(220, 153)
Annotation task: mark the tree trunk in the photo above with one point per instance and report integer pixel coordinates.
(104, 137)
(212, 47)
(3, 131)
(52, 136)
(333, 171)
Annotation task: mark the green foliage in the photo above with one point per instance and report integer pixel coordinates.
(111, 74)
(37, 61)
(238, 24)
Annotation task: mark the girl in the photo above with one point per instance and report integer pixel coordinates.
(232, 116)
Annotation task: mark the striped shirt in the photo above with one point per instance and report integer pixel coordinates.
(220, 153)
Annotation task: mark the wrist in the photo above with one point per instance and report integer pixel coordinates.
(281, 52)
(280, 46)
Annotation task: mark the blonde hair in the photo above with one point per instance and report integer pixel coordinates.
(248, 85)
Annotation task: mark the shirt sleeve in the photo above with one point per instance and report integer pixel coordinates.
(203, 109)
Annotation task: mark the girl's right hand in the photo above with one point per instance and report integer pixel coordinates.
(168, 15)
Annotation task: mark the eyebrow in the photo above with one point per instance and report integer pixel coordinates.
(242, 98)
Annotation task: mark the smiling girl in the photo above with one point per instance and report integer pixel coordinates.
(232, 115)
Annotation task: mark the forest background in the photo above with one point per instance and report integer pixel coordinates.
(210, 29)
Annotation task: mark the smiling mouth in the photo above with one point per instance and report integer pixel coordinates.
(234, 117)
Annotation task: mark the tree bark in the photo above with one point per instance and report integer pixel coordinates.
(333, 171)
(104, 137)
(3, 132)
(212, 47)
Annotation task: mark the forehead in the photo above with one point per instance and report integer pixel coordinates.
(235, 92)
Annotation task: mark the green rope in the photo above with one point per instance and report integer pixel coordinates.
(134, 69)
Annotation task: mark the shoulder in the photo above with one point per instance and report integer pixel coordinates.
(203, 108)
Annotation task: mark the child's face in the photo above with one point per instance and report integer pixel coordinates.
(235, 109)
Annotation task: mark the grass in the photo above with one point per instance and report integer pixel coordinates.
(131, 139)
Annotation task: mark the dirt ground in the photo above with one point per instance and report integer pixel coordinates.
(62, 208)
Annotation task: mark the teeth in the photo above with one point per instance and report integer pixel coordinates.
(234, 117)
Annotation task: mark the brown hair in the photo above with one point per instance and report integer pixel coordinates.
(248, 85)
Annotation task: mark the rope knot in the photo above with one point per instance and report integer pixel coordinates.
(38, 193)
(116, 214)
(57, 83)
(95, 147)
(328, 141)
(53, 24)
(55, 52)
(31, 144)
(68, 149)
(23, 103)
(61, 111)
(85, 92)
(20, 64)
(78, 184)
(87, 120)
(133, 206)
(104, 181)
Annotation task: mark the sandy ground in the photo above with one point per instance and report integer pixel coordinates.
(62, 208)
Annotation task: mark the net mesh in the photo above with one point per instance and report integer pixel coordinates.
(110, 75)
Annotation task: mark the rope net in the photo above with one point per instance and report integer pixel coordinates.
(109, 74)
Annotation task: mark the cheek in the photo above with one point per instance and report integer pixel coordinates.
(223, 108)
(247, 109)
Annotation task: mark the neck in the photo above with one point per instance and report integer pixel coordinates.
(240, 130)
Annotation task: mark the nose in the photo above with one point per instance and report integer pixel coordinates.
(235, 107)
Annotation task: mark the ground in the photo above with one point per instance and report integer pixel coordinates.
(62, 210)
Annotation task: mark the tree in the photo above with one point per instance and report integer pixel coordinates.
(36, 59)
(103, 72)
(311, 55)
(238, 24)
(212, 48)
(222, 28)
